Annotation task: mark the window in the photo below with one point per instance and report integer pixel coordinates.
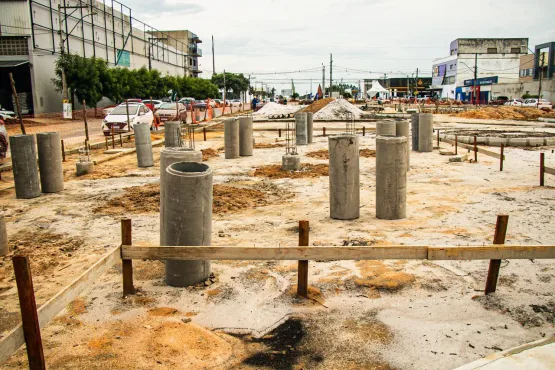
(492, 50)
(13, 46)
(515, 50)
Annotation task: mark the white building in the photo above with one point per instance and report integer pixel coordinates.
(489, 60)
(30, 45)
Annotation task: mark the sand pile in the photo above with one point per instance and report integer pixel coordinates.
(274, 110)
(324, 154)
(514, 113)
(317, 105)
(338, 109)
(307, 170)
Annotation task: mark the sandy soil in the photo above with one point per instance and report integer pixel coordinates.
(361, 314)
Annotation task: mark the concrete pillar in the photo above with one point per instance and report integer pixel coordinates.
(391, 177)
(143, 145)
(291, 162)
(231, 138)
(301, 128)
(246, 140)
(172, 134)
(386, 128)
(4, 247)
(186, 218)
(425, 132)
(403, 129)
(24, 166)
(344, 177)
(83, 168)
(414, 128)
(169, 156)
(49, 146)
(310, 127)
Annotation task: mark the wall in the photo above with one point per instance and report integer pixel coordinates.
(503, 46)
(516, 90)
(506, 67)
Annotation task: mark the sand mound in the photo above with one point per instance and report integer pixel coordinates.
(338, 109)
(514, 113)
(317, 105)
(273, 109)
(307, 170)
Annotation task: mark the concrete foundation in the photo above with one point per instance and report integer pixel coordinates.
(49, 146)
(4, 247)
(403, 130)
(391, 177)
(172, 134)
(425, 132)
(310, 127)
(24, 166)
(246, 141)
(143, 145)
(83, 168)
(231, 138)
(186, 218)
(301, 128)
(386, 128)
(344, 177)
(414, 128)
(291, 162)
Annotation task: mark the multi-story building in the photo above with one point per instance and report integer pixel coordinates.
(30, 45)
(473, 65)
(403, 86)
(186, 42)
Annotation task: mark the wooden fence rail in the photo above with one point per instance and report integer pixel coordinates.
(544, 169)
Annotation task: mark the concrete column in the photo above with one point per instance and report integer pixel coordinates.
(344, 177)
(310, 127)
(246, 140)
(403, 130)
(83, 168)
(301, 128)
(414, 127)
(49, 146)
(425, 132)
(143, 145)
(24, 166)
(169, 156)
(291, 162)
(172, 134)
(386, 128)
(186, 218)
(4, 247)
(231, 138)
(391, 177)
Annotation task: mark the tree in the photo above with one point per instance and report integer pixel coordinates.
(82, 77)
(235, 84)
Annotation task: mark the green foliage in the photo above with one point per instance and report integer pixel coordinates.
(235, 84)
(529, 96)
(91, 79)
(295, 95)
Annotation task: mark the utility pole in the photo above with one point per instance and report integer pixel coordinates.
(541, 75)
(416, 82)
(408, 87)
(213, 57)
(331, 71)
(311, 86)
(323, 81)
(224, 89)
(475, 77)
(64, 83)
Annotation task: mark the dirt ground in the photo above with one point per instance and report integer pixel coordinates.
(405, 314)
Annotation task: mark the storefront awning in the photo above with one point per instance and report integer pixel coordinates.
(12, 63)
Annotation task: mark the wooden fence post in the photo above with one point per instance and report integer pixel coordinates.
(204, 132)
(475, 150)
(494, 265)
(279, 132)
(437, 137)
(324, 131)
(456, 142)
(127, 265)
(29, 315)
(502, 158)
(363, 130)
(302, 282)
(542, 169)
(63, 151)
(113, 140)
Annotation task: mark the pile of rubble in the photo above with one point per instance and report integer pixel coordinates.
(338, 109)
(273, 110)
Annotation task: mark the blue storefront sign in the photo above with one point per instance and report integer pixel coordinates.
(482, 81)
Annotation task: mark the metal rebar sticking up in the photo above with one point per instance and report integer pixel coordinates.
(350, 123)
(189, 141)
(290, 138)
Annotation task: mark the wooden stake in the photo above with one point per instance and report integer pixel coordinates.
(85, 121)
(437, 137)
(204, 132)
(456, 142)
(279, 132)
(363, 130)
(542, 169)
(324, 131)
(29, 316)
(475, 150)
(502, 158)
(63, 151)
(494, 265)
(18, 108)
(120, 141)
(127, 265)
(113, 140)
(302, 282)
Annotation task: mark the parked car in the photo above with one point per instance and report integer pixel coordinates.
(500, 100)
(168, 112)
(5, 114)
(515, 102)
(117, 118)
(539, 103)
(152, 104)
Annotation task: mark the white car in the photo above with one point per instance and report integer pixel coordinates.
(515, 102)
(155, 103)
(138, 113)
(542, 103)
(5, 114)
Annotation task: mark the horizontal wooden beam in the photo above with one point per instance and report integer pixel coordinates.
(329, 253)
(471, 148)
(548, 170)
(15, 339)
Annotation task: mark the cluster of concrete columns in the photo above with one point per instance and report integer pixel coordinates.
(238, 137)
(143, 144)
(185, 211)
(26, 169)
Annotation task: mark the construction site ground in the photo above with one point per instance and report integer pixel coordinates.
(360, 314)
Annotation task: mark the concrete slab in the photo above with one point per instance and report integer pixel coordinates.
(536, 141)
(446, 152)
(518, 141)
(459, 158)
(497, 141)
(120, 150)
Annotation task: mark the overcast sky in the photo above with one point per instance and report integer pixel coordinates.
(382, 36)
